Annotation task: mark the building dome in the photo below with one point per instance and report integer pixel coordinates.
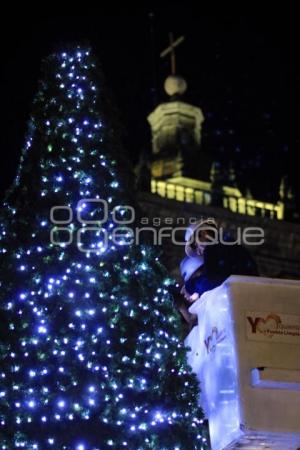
(175, 85)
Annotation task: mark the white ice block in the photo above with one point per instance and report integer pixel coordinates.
(246, 354)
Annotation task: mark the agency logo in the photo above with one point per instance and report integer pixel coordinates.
(93, 224)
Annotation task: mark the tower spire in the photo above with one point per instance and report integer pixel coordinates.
(175, 126)
(174, 85)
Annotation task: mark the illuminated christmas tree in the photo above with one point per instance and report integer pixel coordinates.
(90, 354)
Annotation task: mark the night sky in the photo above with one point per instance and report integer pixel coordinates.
(243, 72)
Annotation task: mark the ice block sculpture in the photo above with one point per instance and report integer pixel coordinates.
(246, 354)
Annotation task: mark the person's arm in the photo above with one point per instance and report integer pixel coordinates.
(179, 296)
(191, 319)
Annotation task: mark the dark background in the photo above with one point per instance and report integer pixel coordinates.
(243, 71)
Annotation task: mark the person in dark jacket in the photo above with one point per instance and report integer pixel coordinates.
(220, 259)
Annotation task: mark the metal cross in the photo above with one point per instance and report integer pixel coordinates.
(171, 50)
